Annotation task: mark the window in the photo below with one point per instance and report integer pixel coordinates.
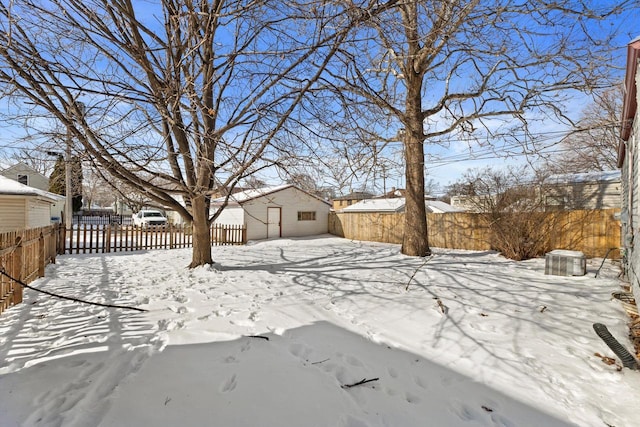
(23, 179)
(306, 216)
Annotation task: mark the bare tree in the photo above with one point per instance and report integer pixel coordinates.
(510, 202)
(169, 97)
(593, 145)
(96, 190)
(36, 161)
(436, 71)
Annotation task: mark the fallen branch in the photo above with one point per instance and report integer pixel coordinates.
(443, 308)
(99, 304)
(362, 381)
(416, 271)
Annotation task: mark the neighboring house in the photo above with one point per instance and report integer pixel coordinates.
(23, 207)
(576, 191)
(471, 203)
(591, 190)
(351, 198)
(396, 205)
(400, 192)
(25, 174)
(272, 212)
(629, 162)
(393, 194)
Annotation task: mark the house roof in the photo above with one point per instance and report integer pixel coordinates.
(248, 195)
(436, 206)
(574, 178)
(23, 166)
(394, 193)
(397, 205)
(14, 188)
(630, 103)
(377, 205)
(355, 195)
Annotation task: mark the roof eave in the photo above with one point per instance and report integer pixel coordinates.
(629, 106)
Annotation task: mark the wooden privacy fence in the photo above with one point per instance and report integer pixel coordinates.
(105, 238)
(592, 232)
(23, 256)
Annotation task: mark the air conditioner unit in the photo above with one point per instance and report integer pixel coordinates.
(565, 263)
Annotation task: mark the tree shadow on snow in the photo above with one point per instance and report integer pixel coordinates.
(297, 378)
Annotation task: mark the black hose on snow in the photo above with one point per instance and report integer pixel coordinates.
(628, 361)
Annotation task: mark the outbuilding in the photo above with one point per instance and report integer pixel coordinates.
(23, 207)
(273, 212)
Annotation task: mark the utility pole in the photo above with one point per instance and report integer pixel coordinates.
(68, 206)
(67, 173)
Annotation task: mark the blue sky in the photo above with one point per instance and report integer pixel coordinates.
(444, 164)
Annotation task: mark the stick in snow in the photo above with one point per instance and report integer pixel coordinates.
(362, 381)
(258, 336)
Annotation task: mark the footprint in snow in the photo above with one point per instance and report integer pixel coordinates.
(420, 382)
(392, 372)
(354, 361)
(229, 385)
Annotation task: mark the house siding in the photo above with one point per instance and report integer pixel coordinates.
(588, 195)
(19, 212)
(35, 180)
(630, 215)
(633, 255)
(38, 213)
(12, 213)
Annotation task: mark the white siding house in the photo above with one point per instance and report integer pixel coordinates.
(629, 163)
(590, 190)
(25, 174)
(24, 207)
(272, 212)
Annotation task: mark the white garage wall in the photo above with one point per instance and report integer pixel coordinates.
(291, 201)
(12, 213)
(39, 213)
(231, 215)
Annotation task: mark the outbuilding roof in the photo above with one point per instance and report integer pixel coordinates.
(377, 205)
(397, 205)
(10, 187)
(247, 195)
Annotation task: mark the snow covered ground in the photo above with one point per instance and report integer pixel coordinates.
(476, 340)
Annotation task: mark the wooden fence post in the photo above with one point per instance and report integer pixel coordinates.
(107, 239)
(41, 256)
(61, 241)
(16, 273)
(52, 250)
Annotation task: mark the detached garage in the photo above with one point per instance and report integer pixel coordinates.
(272, 212)
(23, 207)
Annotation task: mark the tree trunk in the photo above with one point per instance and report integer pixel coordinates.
(415, 241)
(201, 235)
